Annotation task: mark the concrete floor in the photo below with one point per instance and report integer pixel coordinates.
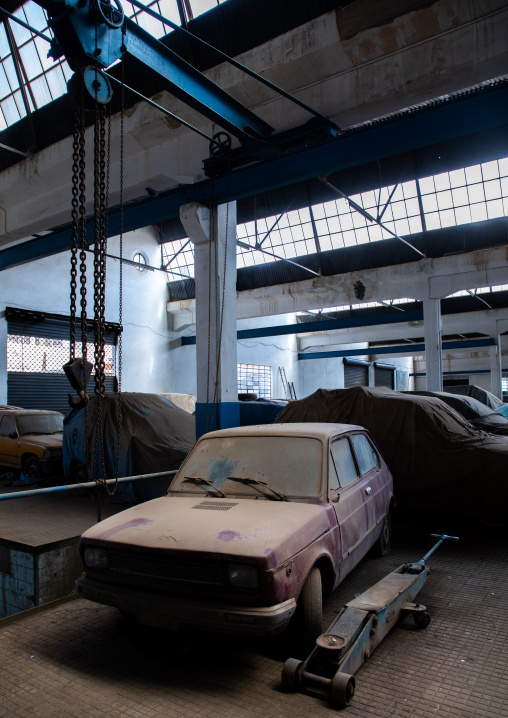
(78, 660)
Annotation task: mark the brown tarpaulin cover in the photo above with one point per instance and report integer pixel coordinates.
(438, 460)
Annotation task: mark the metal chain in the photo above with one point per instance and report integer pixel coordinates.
(74, 235)
(120, 287)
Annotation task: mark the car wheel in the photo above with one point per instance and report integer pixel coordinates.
(383, 545)
(32, 468)
(310, 605)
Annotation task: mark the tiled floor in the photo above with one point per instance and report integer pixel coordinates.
(78, 660)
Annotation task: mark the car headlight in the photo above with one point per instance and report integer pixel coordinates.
(96, 558)
(243, 575)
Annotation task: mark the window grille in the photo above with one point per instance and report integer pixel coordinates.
(28, 354)
(255, 379)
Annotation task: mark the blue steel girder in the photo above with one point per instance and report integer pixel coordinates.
(324, 325)
(397, 349)
(460, 117)
(73, 23)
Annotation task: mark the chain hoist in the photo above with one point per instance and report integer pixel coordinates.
(78, 370)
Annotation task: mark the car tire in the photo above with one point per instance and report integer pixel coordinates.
(383, 545)
(310, 605)
(32, 468)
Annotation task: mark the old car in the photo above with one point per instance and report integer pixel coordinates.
(31, 441)
(258, 521)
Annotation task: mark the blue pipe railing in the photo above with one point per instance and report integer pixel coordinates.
(84, 485)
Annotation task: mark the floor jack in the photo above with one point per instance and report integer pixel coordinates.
(359, 627)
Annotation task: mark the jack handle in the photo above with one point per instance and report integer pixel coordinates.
(441, 537)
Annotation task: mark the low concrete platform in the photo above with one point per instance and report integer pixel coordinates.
(79, 660)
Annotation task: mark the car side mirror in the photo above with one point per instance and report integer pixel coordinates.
(13, 435)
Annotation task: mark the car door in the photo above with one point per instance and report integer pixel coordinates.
(371, 469)
(349, 494)
(8, 445)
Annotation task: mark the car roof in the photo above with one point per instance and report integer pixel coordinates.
(317, 430)
(19, 410)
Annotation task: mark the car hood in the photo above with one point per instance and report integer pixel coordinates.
(49, 441)
(268, 532)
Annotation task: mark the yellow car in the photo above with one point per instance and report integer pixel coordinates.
(31, 441)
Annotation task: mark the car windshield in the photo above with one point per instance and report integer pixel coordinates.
(288, 464)
(40, 423)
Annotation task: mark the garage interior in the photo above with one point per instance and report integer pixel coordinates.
(341, 222)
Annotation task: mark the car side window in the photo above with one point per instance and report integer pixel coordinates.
(344, 464)
(7, 426)
(365, 454)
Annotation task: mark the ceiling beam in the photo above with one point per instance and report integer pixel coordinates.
(457, 117)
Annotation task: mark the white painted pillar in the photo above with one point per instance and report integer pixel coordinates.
(433, 344)
(3, 358)
(496, 372)
(214, 237)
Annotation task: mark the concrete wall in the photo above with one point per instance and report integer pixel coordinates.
(465, 362)
(44, 285)
(279, 351)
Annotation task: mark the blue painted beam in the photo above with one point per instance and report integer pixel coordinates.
(396, 349)
(454, 118)
(472, 371)
(323, 325)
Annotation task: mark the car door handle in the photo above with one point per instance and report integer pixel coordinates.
(368, 491)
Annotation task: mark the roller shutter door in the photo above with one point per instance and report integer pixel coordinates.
(33, 390)
(37, 347)
(355, 375)
(384, 376)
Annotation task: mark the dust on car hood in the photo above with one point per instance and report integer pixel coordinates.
(267, 531)
(49, 441)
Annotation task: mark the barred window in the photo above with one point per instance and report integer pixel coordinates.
(255, 379)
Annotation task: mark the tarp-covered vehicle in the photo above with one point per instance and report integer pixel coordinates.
(438, 459)
(476, 412)
(155, 435)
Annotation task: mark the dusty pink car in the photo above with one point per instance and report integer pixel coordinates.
(257, 520)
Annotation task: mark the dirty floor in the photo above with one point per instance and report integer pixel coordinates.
(79, 660)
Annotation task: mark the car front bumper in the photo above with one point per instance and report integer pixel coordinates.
(174, 613)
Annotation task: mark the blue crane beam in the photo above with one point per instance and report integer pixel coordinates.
(457, 117)
(324, 325)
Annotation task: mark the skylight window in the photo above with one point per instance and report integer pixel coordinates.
(29, 79)
(470, 194)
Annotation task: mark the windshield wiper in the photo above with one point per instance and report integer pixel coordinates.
(205, 482)
(257, 482)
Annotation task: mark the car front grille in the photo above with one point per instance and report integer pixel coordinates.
(163, 569)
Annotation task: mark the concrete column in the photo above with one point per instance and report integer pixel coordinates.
(496, 372)
(3, 358)
(433, 344)
(214, 237)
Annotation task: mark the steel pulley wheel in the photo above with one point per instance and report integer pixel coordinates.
(421, 619)
(220, 145)
(112, 16)
(342, 689)
(290, 677)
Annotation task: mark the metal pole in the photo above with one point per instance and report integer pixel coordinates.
(85, 485)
